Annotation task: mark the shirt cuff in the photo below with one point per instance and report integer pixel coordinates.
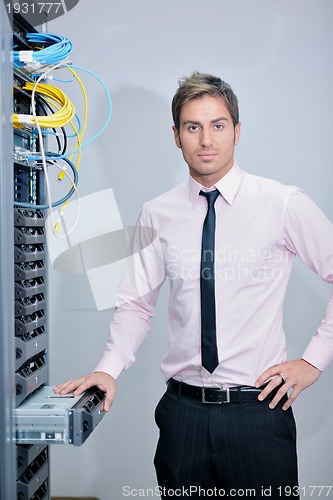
(318, 353)
(111, 365)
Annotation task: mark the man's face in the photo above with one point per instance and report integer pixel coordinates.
(207, 138)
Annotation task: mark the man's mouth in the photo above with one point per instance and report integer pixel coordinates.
(206, 155)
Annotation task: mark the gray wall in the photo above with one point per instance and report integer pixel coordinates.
(277, 57)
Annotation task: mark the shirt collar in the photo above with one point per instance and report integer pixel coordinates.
(228, 186)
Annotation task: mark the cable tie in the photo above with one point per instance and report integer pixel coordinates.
(26, 55)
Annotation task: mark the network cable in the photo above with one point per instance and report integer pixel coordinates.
(43, 104)
(62, 115)
(21, 120)
(57, 203)
(109, 115)
(84, 123)
(54, 49)
(58, 119)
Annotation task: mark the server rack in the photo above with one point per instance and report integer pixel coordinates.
(30, 280)
(7, 382)
(31, 417)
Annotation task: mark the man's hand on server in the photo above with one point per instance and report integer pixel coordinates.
(102, 380)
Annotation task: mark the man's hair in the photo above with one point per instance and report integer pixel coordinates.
(201, 84)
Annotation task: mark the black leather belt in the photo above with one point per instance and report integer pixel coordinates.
(216, 395)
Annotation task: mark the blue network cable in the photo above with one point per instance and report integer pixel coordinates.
(62, 200)
(106, 121)
(56, 49)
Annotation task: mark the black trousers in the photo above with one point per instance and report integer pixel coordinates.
(233, 450)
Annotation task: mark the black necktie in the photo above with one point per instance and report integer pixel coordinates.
(207, 287)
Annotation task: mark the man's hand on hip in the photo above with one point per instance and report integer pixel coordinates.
(296, 376)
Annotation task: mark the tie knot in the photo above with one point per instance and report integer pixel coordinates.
(211, 196)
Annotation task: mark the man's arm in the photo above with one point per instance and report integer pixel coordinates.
(308, 233)
(142, 278)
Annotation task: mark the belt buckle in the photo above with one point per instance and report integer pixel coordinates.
(225, 389)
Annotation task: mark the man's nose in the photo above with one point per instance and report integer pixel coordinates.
(206, 138)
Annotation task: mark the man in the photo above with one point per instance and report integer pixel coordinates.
(226, 242)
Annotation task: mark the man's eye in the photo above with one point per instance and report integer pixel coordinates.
(193, 128)
(219, 126)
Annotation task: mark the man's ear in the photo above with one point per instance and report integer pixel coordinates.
(237, 133)
(177, 138)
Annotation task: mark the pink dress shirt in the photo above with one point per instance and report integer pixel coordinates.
(261, 225)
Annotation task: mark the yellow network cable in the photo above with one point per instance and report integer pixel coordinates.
(63, 172)
(79, 137)
(63, 116)
(58, 119)
(78, 144)
(84, 123)
(63, 169)
(76, 132)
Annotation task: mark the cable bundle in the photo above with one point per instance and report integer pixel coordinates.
(58, 119)
(55, 48)
(39, 63)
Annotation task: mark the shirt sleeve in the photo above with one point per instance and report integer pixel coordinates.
(308, 233)
(142, 278)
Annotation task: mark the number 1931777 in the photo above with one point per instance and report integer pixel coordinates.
(34, 7)
(305, 491)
